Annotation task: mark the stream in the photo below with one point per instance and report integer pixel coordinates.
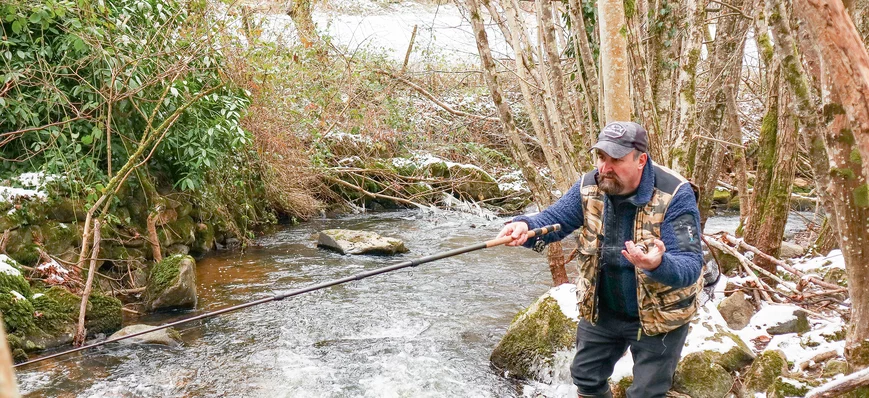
(418, 332)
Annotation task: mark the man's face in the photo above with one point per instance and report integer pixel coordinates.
(620, 176)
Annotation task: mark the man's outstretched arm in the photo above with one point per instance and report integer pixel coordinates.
(567, 211)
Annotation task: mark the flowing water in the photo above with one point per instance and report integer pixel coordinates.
(418, 332)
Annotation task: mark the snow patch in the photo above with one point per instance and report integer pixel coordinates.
(565, 295)
(7, 266)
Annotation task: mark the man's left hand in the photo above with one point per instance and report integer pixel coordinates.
(649, 259)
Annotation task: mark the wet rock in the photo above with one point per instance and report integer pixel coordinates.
(699, 376)
(736, 311)
(736, 357)
(205, 240)
(182, 230)
(799, 323)
(791, 250)
(533, 339)
(768, 366)
(167, 337)
(347, 241)
(172, 284)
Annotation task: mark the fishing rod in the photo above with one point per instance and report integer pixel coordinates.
(410, 263)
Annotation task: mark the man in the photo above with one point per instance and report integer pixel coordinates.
(640, 262)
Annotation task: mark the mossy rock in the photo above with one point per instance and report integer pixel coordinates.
(66, 210)
(204, 239)
(58, 237)
(104, 314)
(728, 263)
(182, 230)
(784, 387)
(858, 354)
(533, 338)
(766, 368)
(168, 337)
(721, 197)
(470, 182)
(20, 246)
(172, 284)
(699, 376)
(862, 392)
(737, 357)
(834, 367)
(835, 275)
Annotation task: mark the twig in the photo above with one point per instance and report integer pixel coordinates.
(374, 195)
(435, 100)
(719, 141)
(822, 357)
(812, 278)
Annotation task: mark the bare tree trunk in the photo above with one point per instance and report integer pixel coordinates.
(615, 77)
(770, 201)
(517, 148)
(8, 385)
(523, 57)
(687, 85)
(81, 332)
(726, 61)
(577, 23)
(846, 84)
(300, 12)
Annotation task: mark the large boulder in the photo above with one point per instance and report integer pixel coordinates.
(736, 311)
(529, 347)
(172, 284)
(167, 337)
(768, 366)
(346, 241)
(699, 376)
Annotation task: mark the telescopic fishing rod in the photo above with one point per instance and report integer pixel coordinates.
(411, 263)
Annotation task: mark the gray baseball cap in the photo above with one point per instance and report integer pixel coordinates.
(618, 139)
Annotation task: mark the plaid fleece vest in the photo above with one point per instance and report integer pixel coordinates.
(662, 308)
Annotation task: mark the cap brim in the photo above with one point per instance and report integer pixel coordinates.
(612, 149)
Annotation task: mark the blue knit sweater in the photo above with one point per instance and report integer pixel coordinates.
(680, 232)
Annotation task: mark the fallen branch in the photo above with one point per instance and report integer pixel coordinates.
(838, 387)
(374, 195)
(745, 264)
(812, 278)
(817, 359)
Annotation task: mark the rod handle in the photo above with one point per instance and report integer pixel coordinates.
(532, 233)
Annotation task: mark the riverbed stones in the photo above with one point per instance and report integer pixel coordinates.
(769, 365)
(533, 339)
(168, 337)
(736, 311)
(797, 323)
(172, 284)
(347, 241)
(699, 376)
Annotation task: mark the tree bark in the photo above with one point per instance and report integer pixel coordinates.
(615, 77)
(300, 13)
(517, 148)
(846, 87)
(81, 332)
(770, 200)
(687, 85)
(589, 67)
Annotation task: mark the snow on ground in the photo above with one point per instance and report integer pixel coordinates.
(26, 185)
(443, 33)
(797, 348)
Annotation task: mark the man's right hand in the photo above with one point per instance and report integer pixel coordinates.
(517, 230)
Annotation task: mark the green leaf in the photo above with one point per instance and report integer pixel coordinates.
(87, 140)
(36, 17)
(16, 27)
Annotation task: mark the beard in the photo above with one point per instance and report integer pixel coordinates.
(610, 184)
